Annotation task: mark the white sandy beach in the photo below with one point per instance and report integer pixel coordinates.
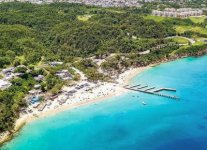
(91, 94)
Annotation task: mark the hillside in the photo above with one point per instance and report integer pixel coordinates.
(100, 42)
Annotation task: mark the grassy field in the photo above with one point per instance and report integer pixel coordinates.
(159, 19)
(198, 19)
(180, 40)
(200, 41)
(182, 29)
(155, 18)
(84, 17)
(21, 59)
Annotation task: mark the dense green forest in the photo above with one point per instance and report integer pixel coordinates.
(33, 35)
(55, 31)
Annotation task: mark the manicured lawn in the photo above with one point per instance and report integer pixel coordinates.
(182, 29)
(198, 19)
(159, 19)
(84, 17)
(199, 41)
(180, 40)
(155, 18)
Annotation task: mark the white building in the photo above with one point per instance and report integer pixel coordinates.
(4, 84)
(64, 75)
(181, 13)
(55, 63)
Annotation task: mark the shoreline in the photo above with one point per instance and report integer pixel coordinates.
(123, 79)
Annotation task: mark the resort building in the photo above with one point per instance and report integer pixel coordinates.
(34, 92)
(53, 97)
(37, 86)
(55, 63)
(8, 71)
(149, 1)
(180, 13)
(42, 106)
(64, 75)
(35, 99)
(144, 52)
(102, 3)
(39, 78)
(4, 84)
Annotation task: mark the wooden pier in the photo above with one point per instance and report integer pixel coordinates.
(149, 89)
(135, 86)
(165, 89)
(142, 87)
(154, 92)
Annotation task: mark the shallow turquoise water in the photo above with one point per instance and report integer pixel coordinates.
(123, 123)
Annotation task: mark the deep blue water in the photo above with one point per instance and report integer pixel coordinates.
(123, 123)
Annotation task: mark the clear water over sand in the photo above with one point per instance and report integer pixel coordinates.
(124, 123)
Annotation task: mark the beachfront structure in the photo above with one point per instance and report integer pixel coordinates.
(180, 13)
(55, 63)
(8, 71)
(82, 86)
(53, 97)
(144, 52)
(64, 75)
(42, 106)
(4, 84)
(72, 91)
(34, 99)
(34, 92)
(18, 74)
(37, 86)
(39, 78)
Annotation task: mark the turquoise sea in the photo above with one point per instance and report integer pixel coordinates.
(124, 123)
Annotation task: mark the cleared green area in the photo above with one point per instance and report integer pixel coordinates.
(199, 42)
(198, 19)
(200, 39)
(180, 40)
(21, 59)
(182, 29)
(84, 17)
(115, 10)
(155, 18)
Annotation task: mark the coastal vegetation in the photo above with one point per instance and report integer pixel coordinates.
(78, 36)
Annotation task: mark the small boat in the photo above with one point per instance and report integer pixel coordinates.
(144, 103)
